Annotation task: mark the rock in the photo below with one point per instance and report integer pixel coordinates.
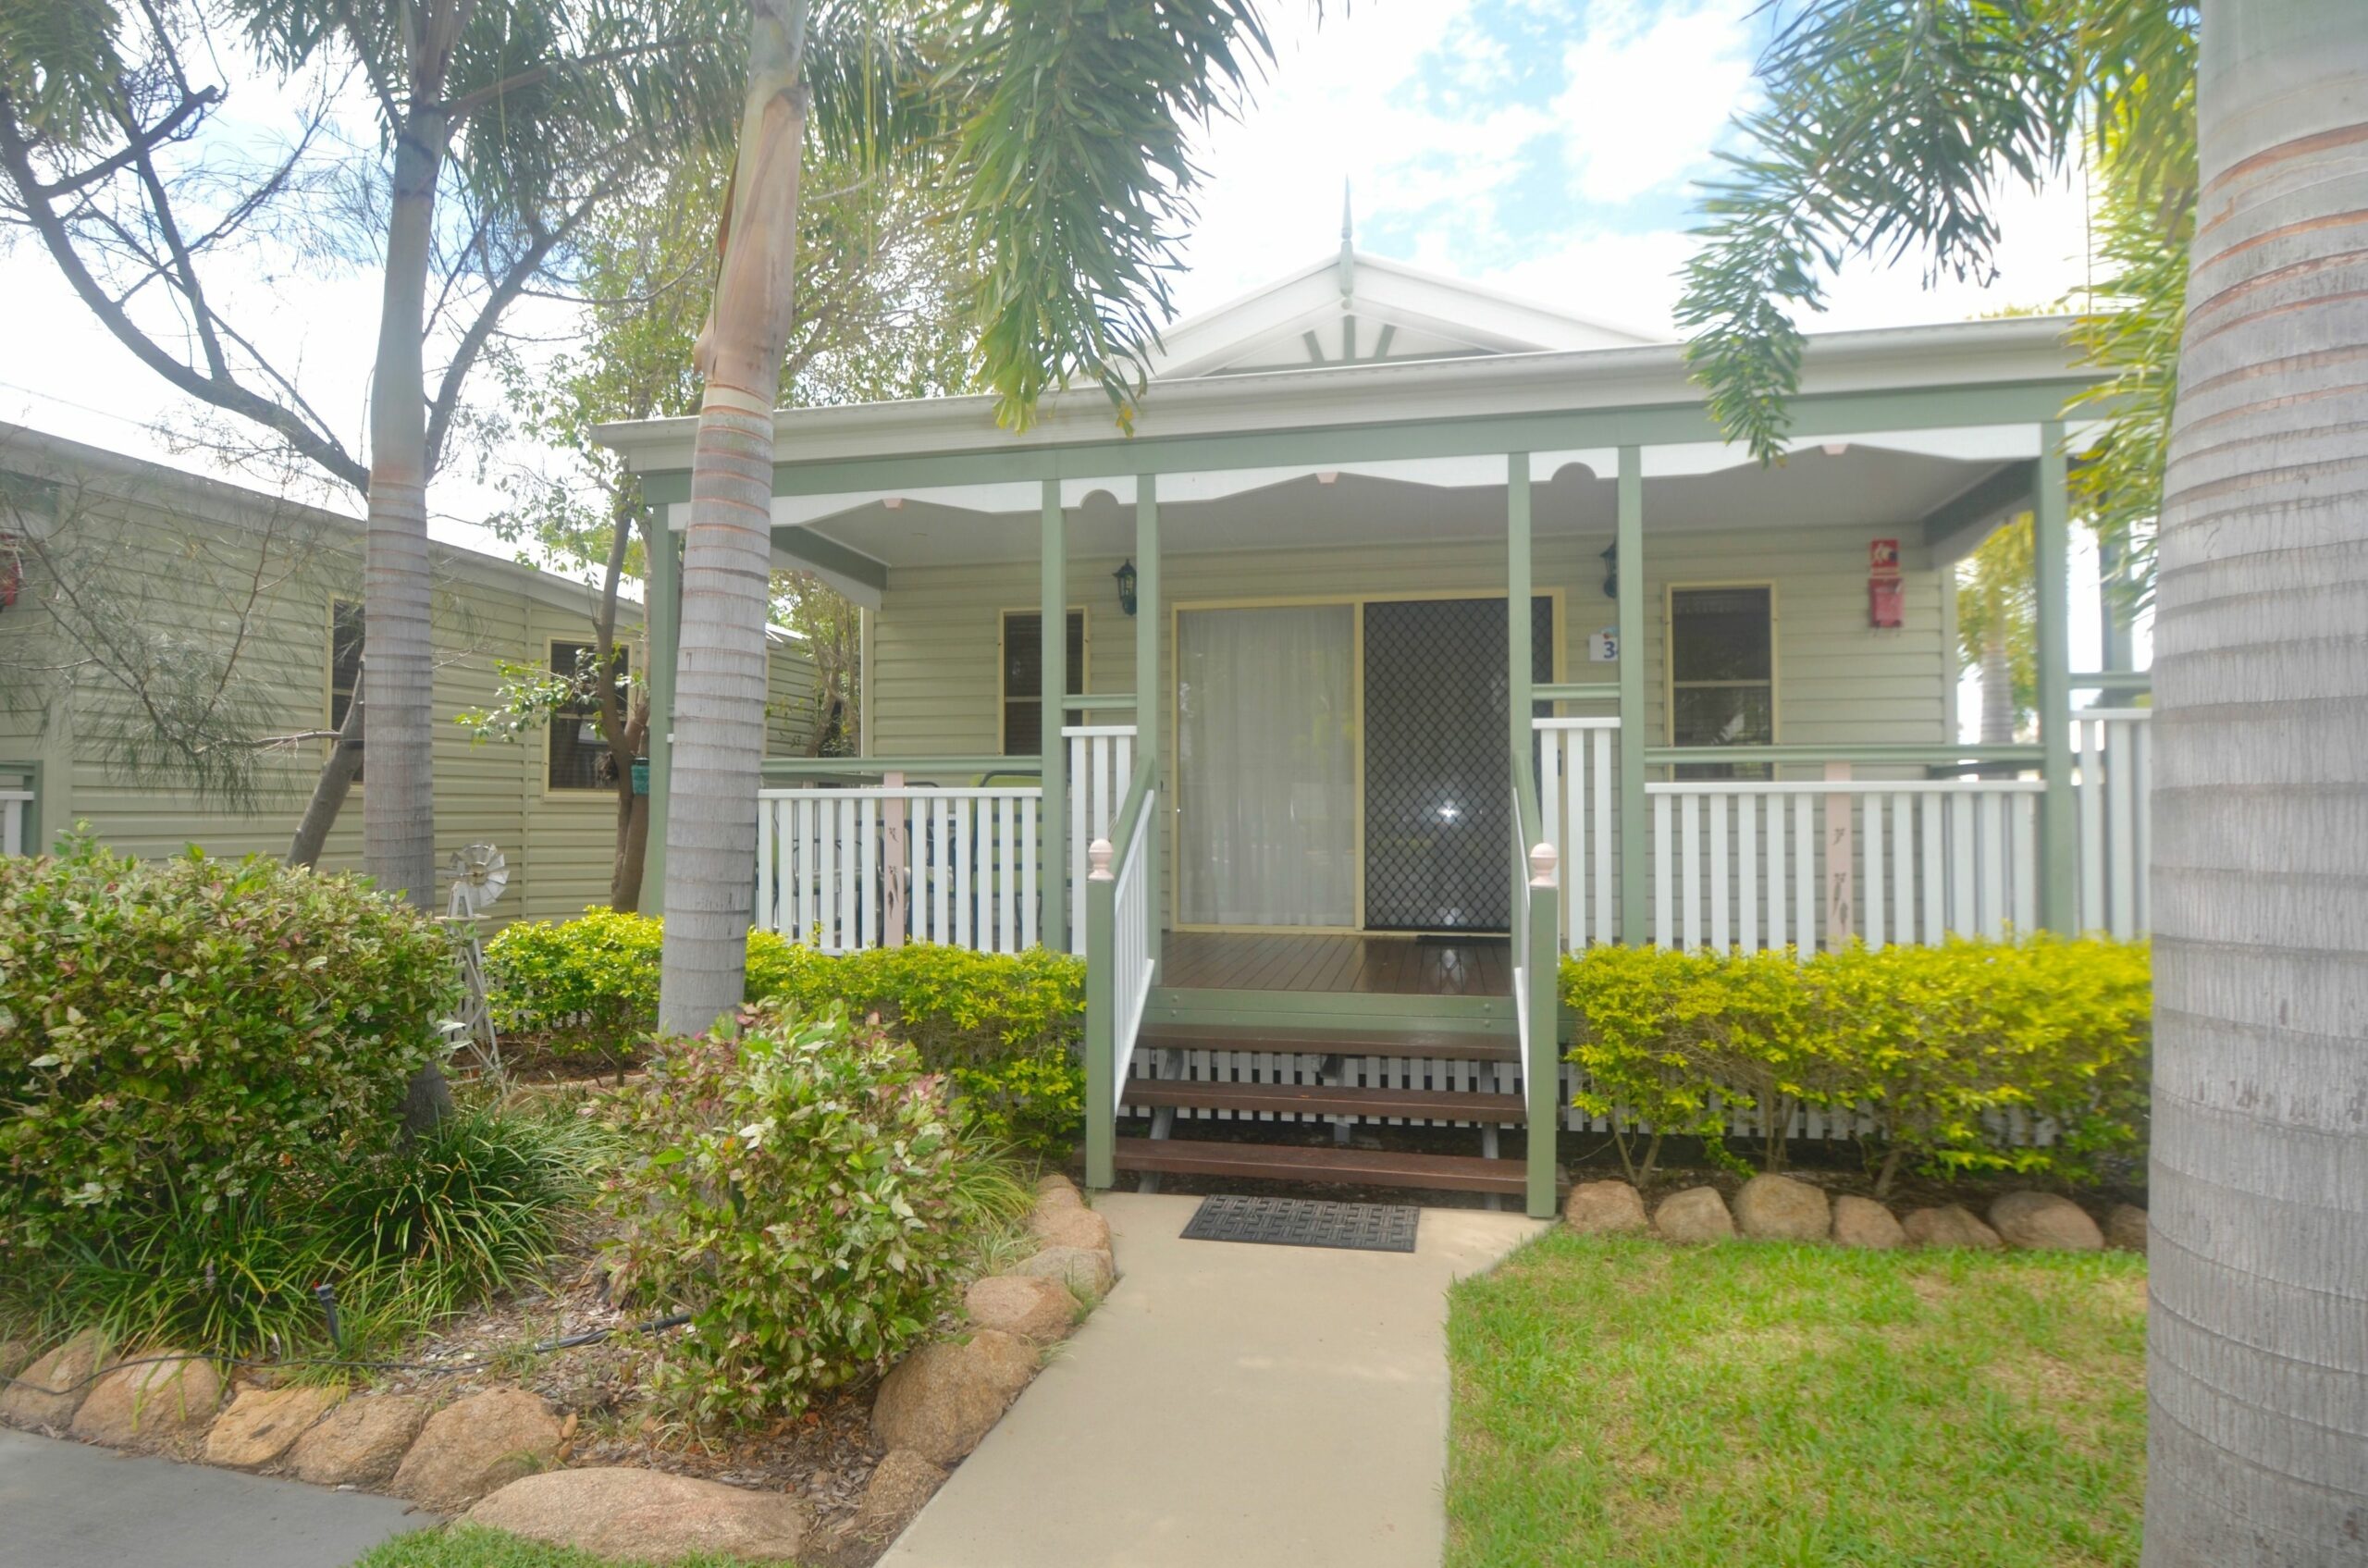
(1056, 1189)
(2125, 1227)
(478, 1445)
(1862, 1222)
(1080, 1268)
(1027, 1307)
(262, 1422)
(64, 1369)
(1952, 1225)
(14, 1354)
(942, 1398)
(149, 1401)
(648, 1516)
(2043, 1222)
(1777, 1208)
(1699, 1214)
(1606, 1208)
(360, 1442)
(1067, 1226)
(899, 1486)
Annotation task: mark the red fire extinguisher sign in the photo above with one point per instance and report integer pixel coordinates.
(1886, 603)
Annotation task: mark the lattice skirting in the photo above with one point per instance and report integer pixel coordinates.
(1813, 1124)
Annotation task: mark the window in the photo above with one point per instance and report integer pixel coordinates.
(1023, 677)
(1722, 673)
(579, 758)
(345, 658)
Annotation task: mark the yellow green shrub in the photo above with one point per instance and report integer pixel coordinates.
(1004, 1028)
(1958, 1052)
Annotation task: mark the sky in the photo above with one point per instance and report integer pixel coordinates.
(1548, 148)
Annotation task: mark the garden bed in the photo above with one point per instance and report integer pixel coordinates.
(1621, 1401)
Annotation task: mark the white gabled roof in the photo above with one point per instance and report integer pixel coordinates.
(1356, 309)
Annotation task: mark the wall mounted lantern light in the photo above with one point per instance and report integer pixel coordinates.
(1612, 572)
(1126, 575)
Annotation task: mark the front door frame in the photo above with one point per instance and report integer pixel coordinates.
(1171, 752)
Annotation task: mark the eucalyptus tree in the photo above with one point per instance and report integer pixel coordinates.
(2258, 1433)
(879, 274)
(1068, 124)
(452, 146)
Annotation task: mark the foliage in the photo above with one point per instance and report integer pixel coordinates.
(798, 1185)
(1946, 1047)
(1889, 130)
(591, 982)
(530, 696)
(1621, 1402)
(178, 1035)
(1004, 1028)
(1998, 609)
(1076, 118)
(406, 1236)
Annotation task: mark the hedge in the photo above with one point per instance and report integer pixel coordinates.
(1004, 1028)
(177, 1035)
(1952, 1050)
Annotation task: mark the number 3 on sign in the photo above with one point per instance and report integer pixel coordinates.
(1603, 647)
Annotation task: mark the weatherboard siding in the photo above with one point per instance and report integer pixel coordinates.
(559, 844)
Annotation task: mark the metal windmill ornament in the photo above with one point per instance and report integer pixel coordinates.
(479, 873)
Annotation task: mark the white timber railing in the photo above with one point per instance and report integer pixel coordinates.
(1102, 761)
(1761, 863)
(1121, 962)
(883, 865)
(13, 805)
(2113, 759)
(1578, 796)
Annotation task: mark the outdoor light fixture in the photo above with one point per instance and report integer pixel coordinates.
(1126, 575)
(1612, 571)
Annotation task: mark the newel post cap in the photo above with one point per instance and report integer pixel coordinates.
(1542, 863)
(1097, 860)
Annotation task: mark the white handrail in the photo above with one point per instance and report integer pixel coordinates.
(1132, 966)
(1101, 764)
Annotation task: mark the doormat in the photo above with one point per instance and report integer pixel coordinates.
(1306, 1222)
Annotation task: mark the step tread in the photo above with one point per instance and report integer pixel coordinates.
(1327, 1099)
(1292, 1162)
(1451, 1044)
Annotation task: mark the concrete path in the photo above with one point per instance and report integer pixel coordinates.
(68, 1505)
(1229, 1406)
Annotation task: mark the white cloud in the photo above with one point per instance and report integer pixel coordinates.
(1649, 95)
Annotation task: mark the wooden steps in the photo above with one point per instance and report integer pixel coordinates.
(1324, 1100)
(1444, 1044)
(1294, 1162)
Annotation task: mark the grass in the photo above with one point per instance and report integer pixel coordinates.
(470, 1546)
(407, 1237)
(1619, 1403)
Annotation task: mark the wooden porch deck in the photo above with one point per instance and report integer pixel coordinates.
(1368, 966)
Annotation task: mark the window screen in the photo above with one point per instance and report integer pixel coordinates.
(1722, 669)
(579, 758)
(1023, 677)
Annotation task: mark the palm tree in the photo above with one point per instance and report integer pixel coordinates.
(2258, 1268)
(1069, 121)
(2258, 1341)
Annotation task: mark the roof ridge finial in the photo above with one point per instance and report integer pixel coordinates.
(1348, 242)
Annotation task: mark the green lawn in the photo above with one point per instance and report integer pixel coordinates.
(1625, 1402)
(467, 1546)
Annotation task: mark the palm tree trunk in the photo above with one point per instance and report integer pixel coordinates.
(727, 553)
(399, 809)
(2257, 1337)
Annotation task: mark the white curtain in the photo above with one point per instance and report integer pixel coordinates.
(1265, 765)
